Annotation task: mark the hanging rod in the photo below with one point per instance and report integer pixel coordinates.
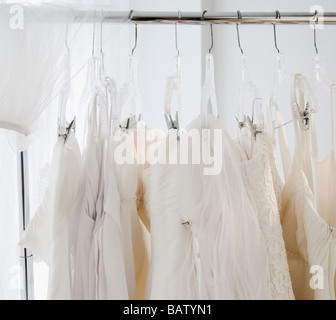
(197, 18)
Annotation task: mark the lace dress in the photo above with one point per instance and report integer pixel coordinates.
(262, 181)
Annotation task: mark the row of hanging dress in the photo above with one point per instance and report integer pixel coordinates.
(205, 234)
(177, 230)
(87, 229)
(111, 251)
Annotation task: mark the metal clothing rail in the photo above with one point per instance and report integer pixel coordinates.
(199, 18)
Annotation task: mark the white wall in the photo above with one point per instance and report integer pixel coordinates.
(296, 41)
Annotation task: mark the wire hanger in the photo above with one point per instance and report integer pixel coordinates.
(173, 85)
(238, 36)
(277, 16)
(320, 76)
(110, 89)
(280, 69)
(64, 128)
(209, 87)
(129, 100)
(211, 36)
(316, 21)
(247, 86)
(136, 38)
(176, 38)
(95, 90)
(281, 76)
(130, 17)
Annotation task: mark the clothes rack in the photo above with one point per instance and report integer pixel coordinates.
(190, 18)
(197, 18)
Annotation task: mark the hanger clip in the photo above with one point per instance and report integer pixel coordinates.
(241, 124)
(304, 116)
(254, 127)
(186, 224)
(127, 125)
(171, 124)
(70, 127)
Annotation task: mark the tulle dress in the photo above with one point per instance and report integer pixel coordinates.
(205, 236)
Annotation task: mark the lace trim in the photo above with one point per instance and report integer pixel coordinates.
(260, 183)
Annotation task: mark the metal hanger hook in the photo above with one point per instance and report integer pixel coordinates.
(135, 38)
(237, 27)
(130, 17)
(211, 31)
(211, 35)
(131, 14)
(316, 20)
(277, 16)
(203, 15)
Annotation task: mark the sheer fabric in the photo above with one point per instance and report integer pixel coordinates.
(26, 67)
(205, 235)
(10, 270)
(307, 217)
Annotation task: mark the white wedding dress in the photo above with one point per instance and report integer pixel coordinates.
(135, 236)
(308, 206)
(205, 234)
(47, 233)
(263, 182)
(98, 267)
